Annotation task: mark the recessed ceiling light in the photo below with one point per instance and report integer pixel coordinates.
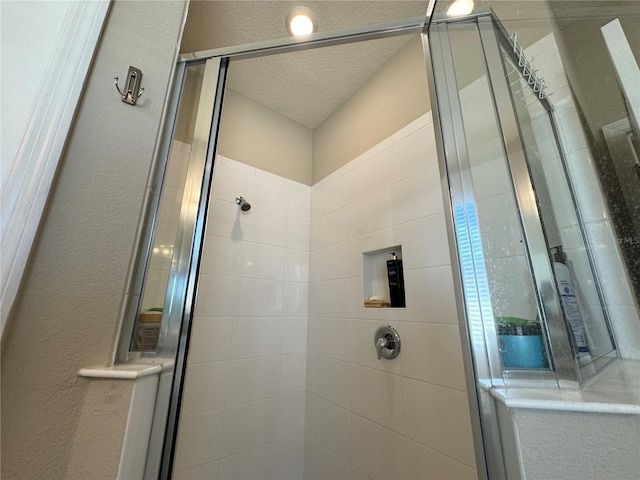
(301, 21)
(460, 7)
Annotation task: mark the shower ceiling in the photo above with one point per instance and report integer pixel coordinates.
(308, 86)
(303, 86)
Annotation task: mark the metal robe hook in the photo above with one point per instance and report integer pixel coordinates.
(132, 84)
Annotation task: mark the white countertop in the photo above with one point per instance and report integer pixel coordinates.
(616, 389)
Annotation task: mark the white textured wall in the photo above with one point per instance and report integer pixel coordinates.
(102, 414)
(243, 406)
(68, 313)
(253, 134)
(391, 98)
(405, 418)
(569, 445)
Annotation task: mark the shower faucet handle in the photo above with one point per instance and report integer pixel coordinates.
(380, 344)
(387, 342)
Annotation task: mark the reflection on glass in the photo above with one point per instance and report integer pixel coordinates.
(507, 297)
(574, 277)
(597, 85)
(149, 317)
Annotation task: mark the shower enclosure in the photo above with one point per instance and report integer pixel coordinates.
(517, 223)
(268, 320)
(531, 310)
(524, 202)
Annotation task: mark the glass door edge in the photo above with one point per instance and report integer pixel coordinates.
(123, 353)
(480, 404)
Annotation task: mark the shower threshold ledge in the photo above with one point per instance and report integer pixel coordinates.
(615, 389)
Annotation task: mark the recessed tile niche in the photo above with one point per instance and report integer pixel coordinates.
(376, 279)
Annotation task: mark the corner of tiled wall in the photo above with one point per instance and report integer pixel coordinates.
(368, 418)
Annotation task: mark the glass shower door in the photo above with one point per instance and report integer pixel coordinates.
(581, 298)
(582, 305)
(532, 302)
(533, 311)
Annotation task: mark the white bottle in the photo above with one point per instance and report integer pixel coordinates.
(570, 305)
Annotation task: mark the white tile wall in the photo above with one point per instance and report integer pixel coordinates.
(281, 460)
(201, 389)
(426, 463)
(435, 304)
(361, 412)
(320, 463)
(244, 400)
(289, 458)
(199, 439)
(253, 379)
(293, 370)
(377, 395)
(329, 379)
(330, 425)
(252, 464)
(293, 389)
(432, 353)
(440, 419)
(377, 451)
(206, 470)
(249, 426)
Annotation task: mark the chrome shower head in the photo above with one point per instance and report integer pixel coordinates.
(244, 205)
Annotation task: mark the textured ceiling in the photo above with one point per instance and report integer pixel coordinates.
(308, 86)
(304, 86)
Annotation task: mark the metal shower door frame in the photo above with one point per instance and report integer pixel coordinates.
(457, 185)
(179, 305)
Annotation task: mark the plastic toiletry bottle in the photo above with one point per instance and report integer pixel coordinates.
(396, 281)
(570, 305)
